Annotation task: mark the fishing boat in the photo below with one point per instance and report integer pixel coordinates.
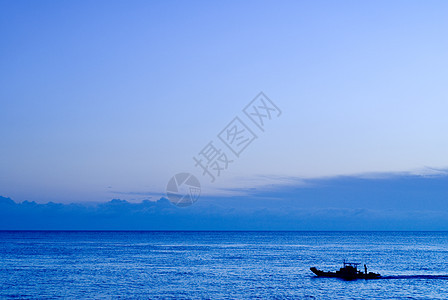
(348, 272)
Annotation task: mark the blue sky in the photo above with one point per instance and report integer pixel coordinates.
(109, 99)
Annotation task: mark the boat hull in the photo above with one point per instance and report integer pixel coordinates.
(345, 275)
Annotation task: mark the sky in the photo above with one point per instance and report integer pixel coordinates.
(110, 99)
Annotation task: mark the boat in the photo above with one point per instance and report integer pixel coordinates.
(348, 272)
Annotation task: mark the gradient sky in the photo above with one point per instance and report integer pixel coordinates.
(109, 99)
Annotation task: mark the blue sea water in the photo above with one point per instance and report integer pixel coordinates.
(220, 265)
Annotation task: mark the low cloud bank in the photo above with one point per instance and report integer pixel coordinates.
(344, 203)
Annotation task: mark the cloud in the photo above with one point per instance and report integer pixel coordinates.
(395, 202)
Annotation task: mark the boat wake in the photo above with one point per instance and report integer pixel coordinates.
(443, 277)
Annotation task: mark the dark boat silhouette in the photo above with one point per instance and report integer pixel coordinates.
(348, 272)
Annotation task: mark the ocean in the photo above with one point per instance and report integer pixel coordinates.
(219, 265)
